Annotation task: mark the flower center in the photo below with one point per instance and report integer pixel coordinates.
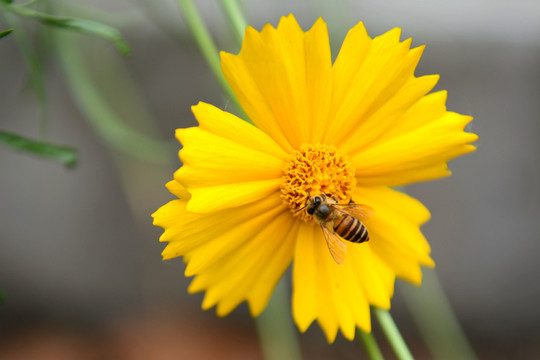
(312, 170)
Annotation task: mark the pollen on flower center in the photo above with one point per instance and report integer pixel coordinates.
(312, 170)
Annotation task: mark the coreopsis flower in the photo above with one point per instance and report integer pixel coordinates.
(346, 131)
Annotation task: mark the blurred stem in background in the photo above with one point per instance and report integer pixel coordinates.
(111, 102)
(370, 345)
(392, 333)
(102, 118)
(236, 17)
(206, 44)
(209, 50)
(277, 333)
(435, 319)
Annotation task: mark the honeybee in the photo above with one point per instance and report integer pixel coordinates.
(339, 222)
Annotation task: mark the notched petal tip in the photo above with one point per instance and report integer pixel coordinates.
(200, 103)
(288, 18)
(267, 28)
(319, 22)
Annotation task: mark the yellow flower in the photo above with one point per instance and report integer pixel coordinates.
(351, 129)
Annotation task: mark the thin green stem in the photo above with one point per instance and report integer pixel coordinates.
(204, 41)
(435, 319)
(104, 120)
(370, 344)
(276, 330)
(234, 12)
(392, 334)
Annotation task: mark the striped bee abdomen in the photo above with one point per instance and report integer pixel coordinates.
(351, 229)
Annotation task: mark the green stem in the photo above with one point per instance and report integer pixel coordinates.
(435, 319)
(100, 115)
(276, 330)
(209, 51)
(370, 344)
(205, 42)
(392, 334)
(236, 17)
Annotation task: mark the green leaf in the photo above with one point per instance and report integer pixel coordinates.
(80, 25)
(5, 32)
(63, 154)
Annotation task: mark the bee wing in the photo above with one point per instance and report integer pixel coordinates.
(359, 211)
(337, 248)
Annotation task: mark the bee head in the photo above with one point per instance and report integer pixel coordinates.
(315, 203)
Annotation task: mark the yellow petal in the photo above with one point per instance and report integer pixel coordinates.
(323, 290)
(281, 78)
(268, 278)
(221, 169)
(378, 123)
(425, 110)
(177, 189)
(305, 282)
(230, 127)
(214, 198)
(386, 67)
(210, 160)
(394, 230)
(227, 242)
(352, 55)
(420, 154)
(186, 231)
(311, 289)
(377, 278)
(251, 270)
(318, 81)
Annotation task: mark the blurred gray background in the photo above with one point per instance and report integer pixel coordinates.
(80, 260)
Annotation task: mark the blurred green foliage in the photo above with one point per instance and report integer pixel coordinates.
(63, 154)
(5, 32)
(69, 23)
